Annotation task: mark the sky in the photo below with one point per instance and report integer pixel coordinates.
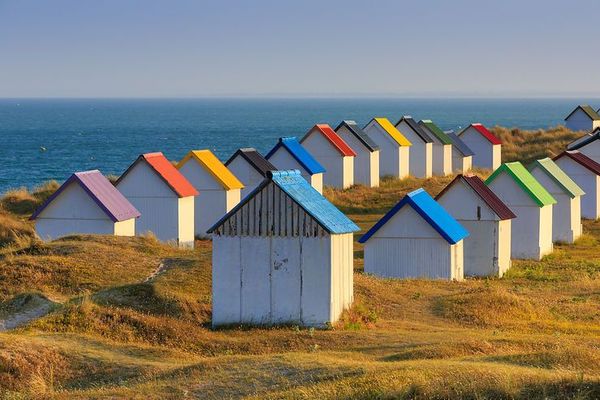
(346, 48)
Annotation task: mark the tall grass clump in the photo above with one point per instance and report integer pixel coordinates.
(24, 202)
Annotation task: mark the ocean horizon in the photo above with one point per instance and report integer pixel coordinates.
(52, 138)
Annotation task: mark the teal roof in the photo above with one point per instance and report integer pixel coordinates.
(558, 175)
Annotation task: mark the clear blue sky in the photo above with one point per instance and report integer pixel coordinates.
(148, 48)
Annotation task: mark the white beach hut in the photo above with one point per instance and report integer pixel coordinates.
(366, 162)
(250, 167)
(487, 148)
(164, 197)
(219, 189)
(462, 155)
(588, 145)
(289, 154)
(583, 118)
(333, 153)
(566, 213)
(417, 238)
(421, 151)
(531, 203)
(488, 220)
(394, 148)
(585, 172)
(283, 255)
(442, 148)
(87, 203)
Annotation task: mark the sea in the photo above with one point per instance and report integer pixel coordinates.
(43, 139)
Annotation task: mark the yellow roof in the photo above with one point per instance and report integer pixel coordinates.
(393, 131)
(213, 165)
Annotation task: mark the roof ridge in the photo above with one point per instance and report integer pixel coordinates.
(525, 180)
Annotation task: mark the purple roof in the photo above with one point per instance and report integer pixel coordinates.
(108, 198)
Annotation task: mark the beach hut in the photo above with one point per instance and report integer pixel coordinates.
(366, 162)
(462, 155)
(333, 153)
(585, 172)
(583, 118)
(282, 256)
(442, 148)
(488, 220)
(531, 203)
(588, 145)
(288, 153)
(417, 238)
(566, 213)
(219, 188)
(394, 148)
(487, 148)
(87, 203)
(421, 151)
(164, 197)
(250, 167)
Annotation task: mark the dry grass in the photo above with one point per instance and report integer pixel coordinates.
(530, 145)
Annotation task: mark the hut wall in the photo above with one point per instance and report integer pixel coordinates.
(339, 173)
(389, 150)
(186, 221)
(246, 173)
(592, 150)
(588, 181)
(580, 121)
(125, 228)
(442, 159)
(420, 155)
(546, 228)
(316, 181)
(283, 160)
(404, 161)
(155, 201)
(366, 163)
(408, 247)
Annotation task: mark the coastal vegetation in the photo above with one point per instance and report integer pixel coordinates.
(130, 318)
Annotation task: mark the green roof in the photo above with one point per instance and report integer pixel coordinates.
(523, 178)
(437, 132)
(559, 176)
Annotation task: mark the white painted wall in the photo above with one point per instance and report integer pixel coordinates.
(421, 153)
(461, 163)
(390, 153)
(566, 213)
(592, 150)
(588, 181)
(125, 228)
(580, 121)
(246, 173)
(340, 169)
(213, 201)
(186, 221)
(366, 163)
(154, 199)
(283, 160)
(408, 247)
(442, 159)
(532, 229)
(487, 248)
(487, 155)
(301, 280)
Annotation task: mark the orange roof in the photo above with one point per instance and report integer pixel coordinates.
(167, 172)
(215, 167)
(335, 139)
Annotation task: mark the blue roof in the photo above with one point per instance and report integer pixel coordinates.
(293, 146)
(307, 197)
(431, 211)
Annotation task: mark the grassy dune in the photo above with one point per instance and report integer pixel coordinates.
(112, 333)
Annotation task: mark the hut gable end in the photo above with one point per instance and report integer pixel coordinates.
(270, 212)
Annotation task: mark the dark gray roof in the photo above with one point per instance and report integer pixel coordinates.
(360, 134)
(593, 114)
(416, 128)
(254, 158)
(585, 140)
(459, 144)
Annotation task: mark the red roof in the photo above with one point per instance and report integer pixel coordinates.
(167, 172)
(335, 139)
(581, 159)
(485, 193)
(486, 134)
